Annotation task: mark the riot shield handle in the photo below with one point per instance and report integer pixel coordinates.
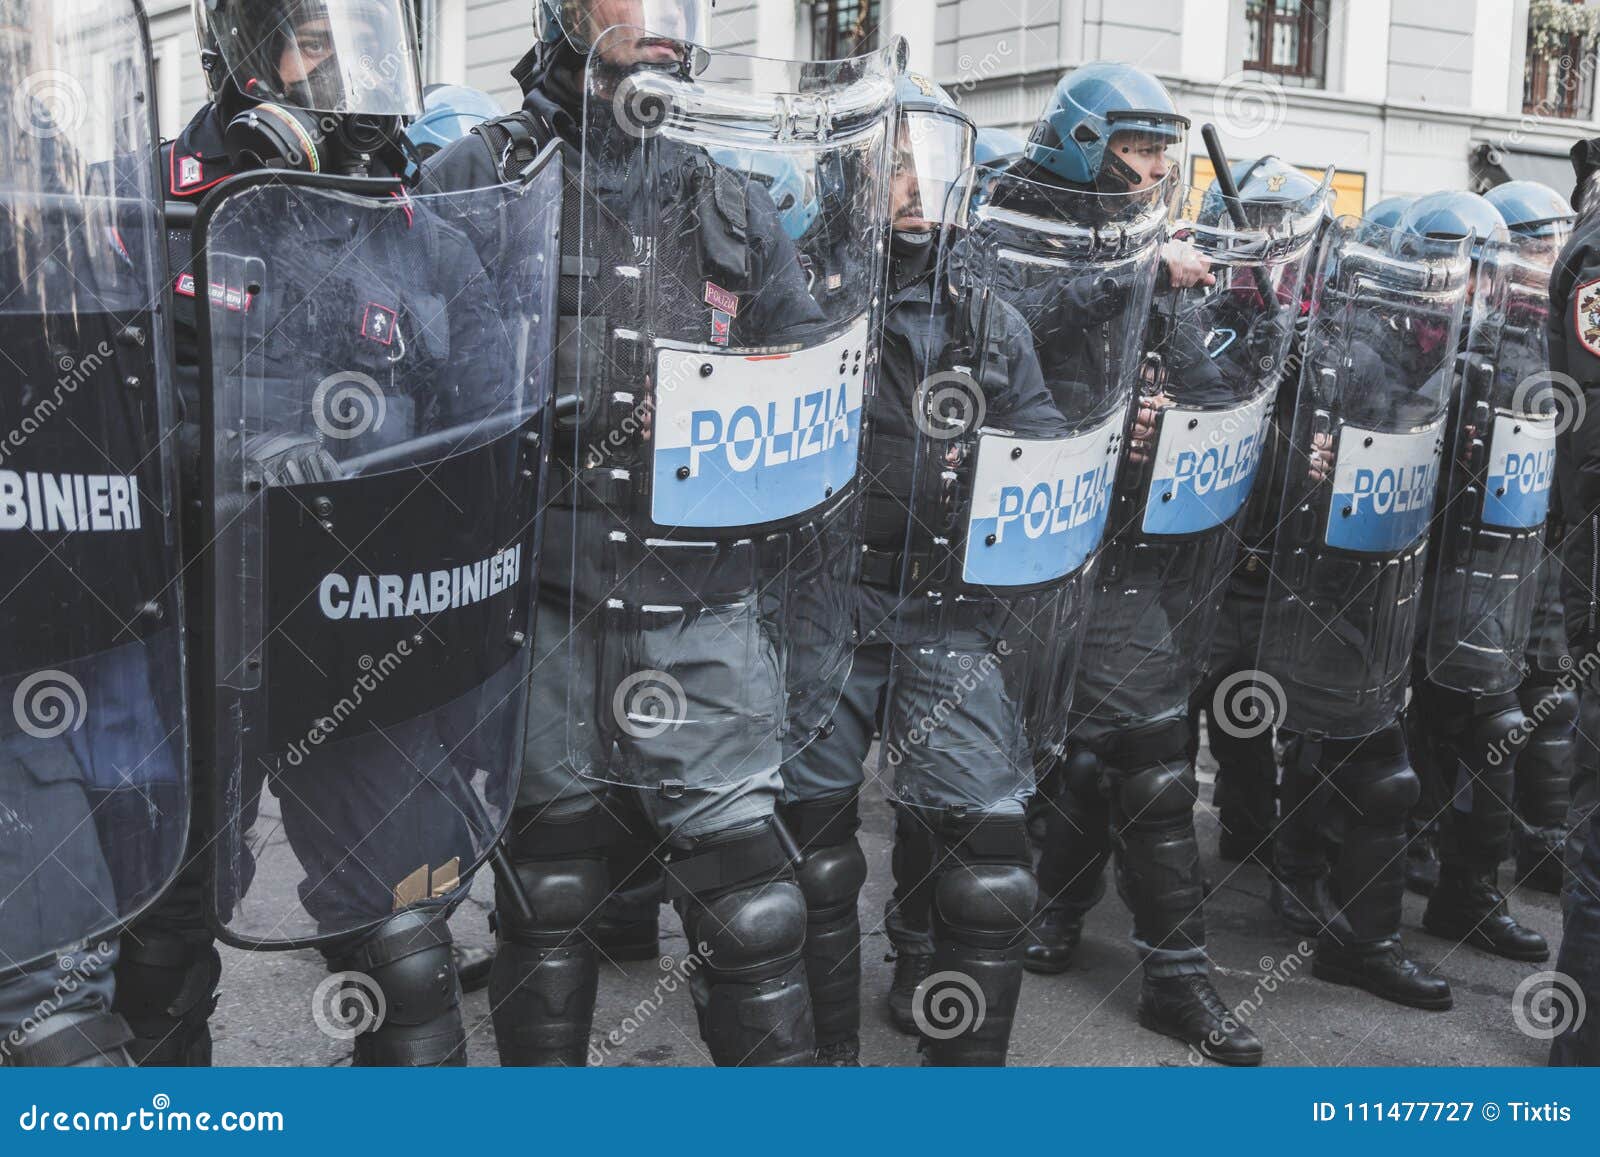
(1230, 198)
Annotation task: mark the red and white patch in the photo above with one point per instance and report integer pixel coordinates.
(721, 327)
(378, 324)
(190, 172)
(1586, 315)
(719, 298)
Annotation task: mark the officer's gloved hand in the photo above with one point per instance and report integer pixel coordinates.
(291, 459)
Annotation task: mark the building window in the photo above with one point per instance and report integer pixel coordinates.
(1287, 38)
(1558, 71)
(841, 28)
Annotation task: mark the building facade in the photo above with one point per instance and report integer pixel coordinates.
(1402, 96)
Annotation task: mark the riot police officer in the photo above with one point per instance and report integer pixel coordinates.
(317, 88)
(94, 779)
(945, 914)
(673, 641)
(1126, 784)
(1474, 631)
(1538, 216)
(1247, 766)
(1346, 574)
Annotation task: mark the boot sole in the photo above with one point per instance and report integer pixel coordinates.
(1476, 939)
(1203, 1047)
(1046, 967)
(1333, 974)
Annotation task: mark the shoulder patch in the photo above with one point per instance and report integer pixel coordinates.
(1586, 315)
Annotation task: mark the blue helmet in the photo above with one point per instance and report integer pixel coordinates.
(1089, 105)
(571, 20)
(790, 185)
(1531, 209)
(448, 113)
(1387, 212)
(1453, 214)
(933, 149)
(997, 147)
(1267, 180)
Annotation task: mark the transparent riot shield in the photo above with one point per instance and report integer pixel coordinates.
(1361, 476)
(1488, 542)
(94, 794)
(1213, 356)
(732, 224)
(379, 371)
(1039, 311)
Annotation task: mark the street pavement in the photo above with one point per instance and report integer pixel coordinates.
(1083, 1017)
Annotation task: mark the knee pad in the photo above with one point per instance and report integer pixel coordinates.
(1080, 774)
(1160, 795)
(1382, 791)
(833, 868)
(1497, 736)
(564, 895)
(985, 904)
(166, 991)
(408, 958)
(831, 879)
(76, 1039)
(750, 934)
(1549, 707)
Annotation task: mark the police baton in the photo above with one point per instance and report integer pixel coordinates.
(1230, 198)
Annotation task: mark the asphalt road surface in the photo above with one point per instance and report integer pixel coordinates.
(1083, 1017)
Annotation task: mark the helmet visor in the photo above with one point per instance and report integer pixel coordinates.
(931, 155)
(330, 56)
(582, 21)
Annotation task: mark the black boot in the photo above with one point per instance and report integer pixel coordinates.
(983, 891)
(832, 871)
(1377, 790)
(1301, 898)
(1422, 859)
(1383, 970)
(910, 970)
(1302, 903)
(1053, 936)
(1541, 854)
(1187, 1008)
(1072, 819)
(743, 910)
(1469, 907)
